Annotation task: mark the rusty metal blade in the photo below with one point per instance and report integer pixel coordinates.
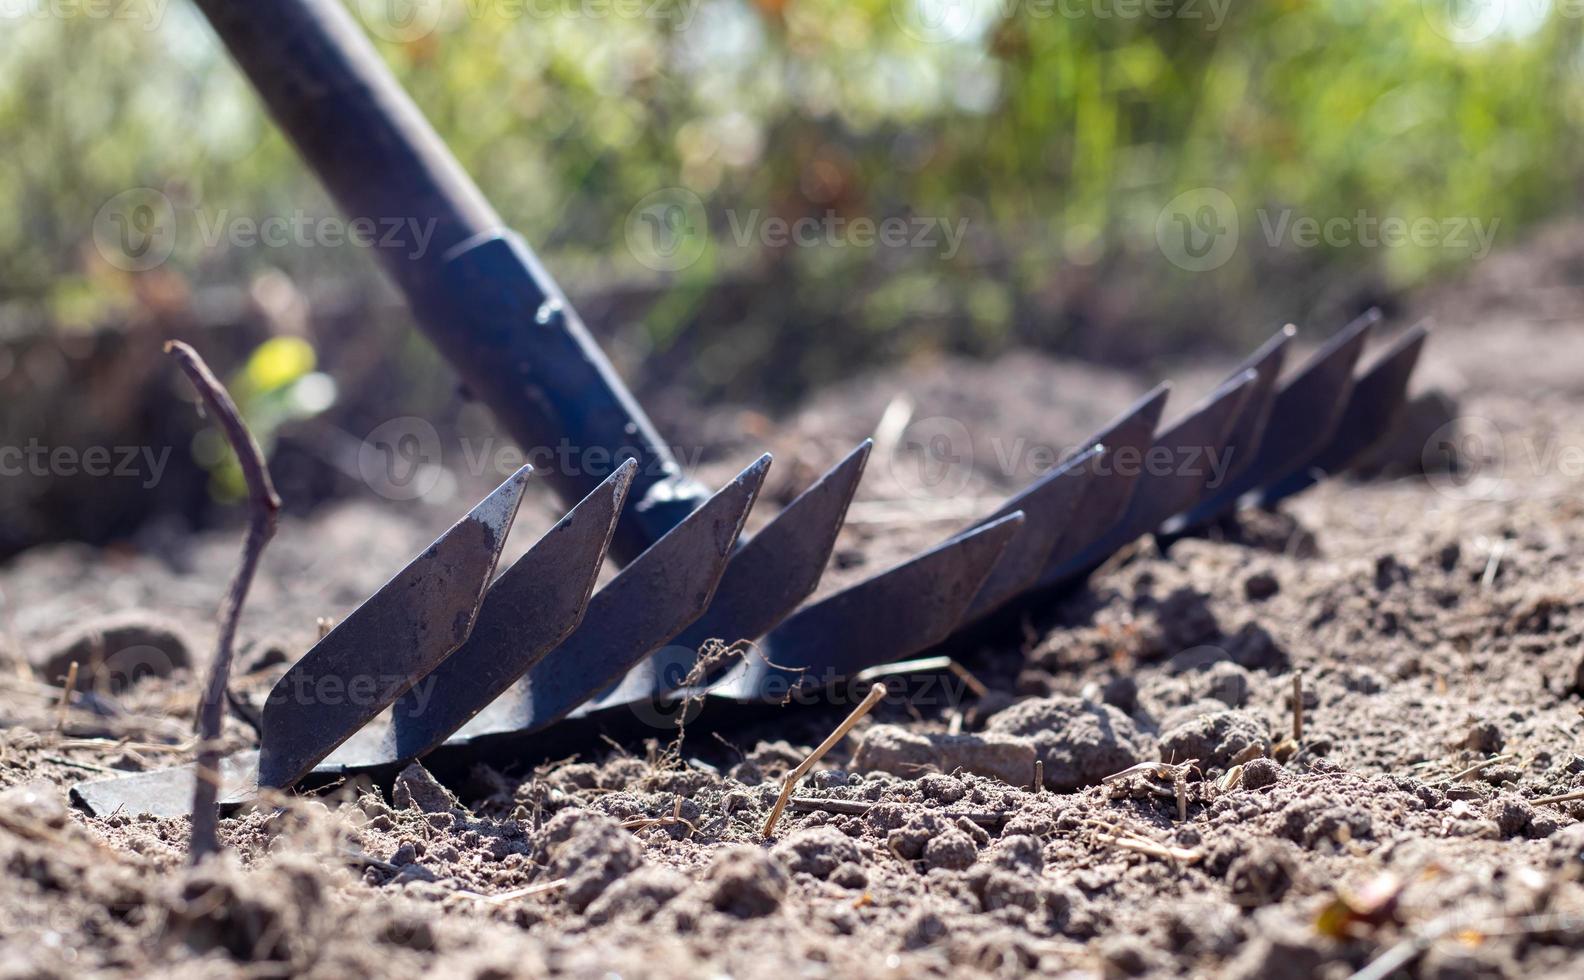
(1176, 471)
(1126, 439)
(887, 617)
(648, 603)
(1377, 396)
(768, 577)
(1304, 414)
(1048, 507)
(531, 608)
(399, 634)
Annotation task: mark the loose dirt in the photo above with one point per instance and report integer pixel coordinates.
(1429, 624)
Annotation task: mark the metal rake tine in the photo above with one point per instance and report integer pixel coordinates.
(648, 603)
(1190, 448)
(1378, 394)
(1126, 439)
(1243, 442)
(1304, 414)
(399, 634)
(531, 607)
(1048, 506)
(889, 616)
(1248, 431)
(768, 577)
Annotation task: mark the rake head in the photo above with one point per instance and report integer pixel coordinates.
(442, 656)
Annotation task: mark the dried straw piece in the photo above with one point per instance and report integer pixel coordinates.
(875, 694)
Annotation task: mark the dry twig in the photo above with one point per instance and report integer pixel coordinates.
(875, 694)
(264, 506)
(857, 808)
(1472, 770)
(1297, 714)
(1564, 798)
(66, 695)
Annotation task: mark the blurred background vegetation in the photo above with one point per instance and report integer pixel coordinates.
(1057, 129)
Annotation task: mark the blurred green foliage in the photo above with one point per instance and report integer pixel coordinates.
(1057, 129)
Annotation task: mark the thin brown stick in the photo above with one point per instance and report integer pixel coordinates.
(857, 808)
(65, 698)
(875, 694)
(264, 506)
(1471, 770)
(1297, 696)
(1564, 798)
(1039, 775)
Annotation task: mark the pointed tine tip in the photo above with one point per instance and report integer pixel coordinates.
(612, 491)
(848, 469)
(755, 472)
(1411, 339)
(412, 631)
(844, 477)
(989, 538)
(1138, 421)
(1357, 327)
(753, 476)
(624, 473)
(737, 498)
(497, 510)
(1228, 388)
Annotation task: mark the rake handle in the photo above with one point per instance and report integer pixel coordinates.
(477, 290)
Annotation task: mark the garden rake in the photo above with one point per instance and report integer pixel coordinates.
(443, 658)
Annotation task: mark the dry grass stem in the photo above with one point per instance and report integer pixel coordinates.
(873, 698)
(856, 808)
(1472, 770)
(1297, 709)
(66, 695)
